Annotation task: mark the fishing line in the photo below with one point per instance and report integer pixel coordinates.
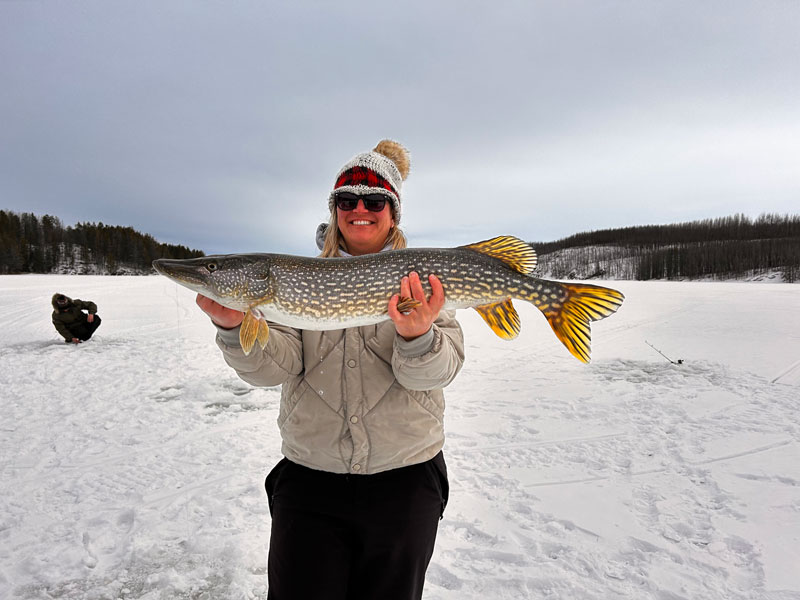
(182, 363)
(185, 498)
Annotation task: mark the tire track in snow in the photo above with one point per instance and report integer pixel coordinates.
(180, 439)
(166, 496)
(543, 443)
(751, 452)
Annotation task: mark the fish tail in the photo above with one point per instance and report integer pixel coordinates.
(571, 307)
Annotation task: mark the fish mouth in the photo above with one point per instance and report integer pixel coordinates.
(190, 273)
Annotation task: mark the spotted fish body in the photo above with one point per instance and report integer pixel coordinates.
(337, 293)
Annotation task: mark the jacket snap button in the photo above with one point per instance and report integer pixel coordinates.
(351, 363)
(354, 419)
(356, 467)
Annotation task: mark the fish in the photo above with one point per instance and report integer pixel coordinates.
(337, 293)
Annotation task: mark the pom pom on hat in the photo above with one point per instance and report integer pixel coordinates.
(381, 171)
(397, 154)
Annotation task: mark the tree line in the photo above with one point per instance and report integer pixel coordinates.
(724, 248)
(33, 244)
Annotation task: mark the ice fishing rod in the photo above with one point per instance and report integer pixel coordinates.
(678, 362)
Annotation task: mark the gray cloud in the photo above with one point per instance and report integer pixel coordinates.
(222, 125)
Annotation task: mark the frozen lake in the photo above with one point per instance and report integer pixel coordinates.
(132, 466)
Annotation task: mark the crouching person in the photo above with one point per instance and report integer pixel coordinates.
(71, 321)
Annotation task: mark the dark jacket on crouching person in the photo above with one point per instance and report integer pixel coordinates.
(69, 319)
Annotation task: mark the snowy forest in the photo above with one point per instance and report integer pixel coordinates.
(32, 244)
(734, 247)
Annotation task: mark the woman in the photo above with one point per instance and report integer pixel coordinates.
(356, 501)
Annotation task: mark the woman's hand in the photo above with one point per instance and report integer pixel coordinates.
(227, 318)
(417, 322)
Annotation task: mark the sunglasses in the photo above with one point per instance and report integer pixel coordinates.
(372, 202)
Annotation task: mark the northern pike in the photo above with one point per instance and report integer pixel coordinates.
(337, 293)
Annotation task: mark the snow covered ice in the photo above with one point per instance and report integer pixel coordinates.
(132, 465)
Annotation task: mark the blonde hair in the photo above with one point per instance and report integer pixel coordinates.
(334, 242)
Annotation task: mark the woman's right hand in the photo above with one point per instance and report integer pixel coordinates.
(227, 318)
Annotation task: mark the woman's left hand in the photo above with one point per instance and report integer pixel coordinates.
(417, 322)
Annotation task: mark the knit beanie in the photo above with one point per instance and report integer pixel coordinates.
(381, 171)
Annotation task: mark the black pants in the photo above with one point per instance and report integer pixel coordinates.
(83, 331)
(353, 537)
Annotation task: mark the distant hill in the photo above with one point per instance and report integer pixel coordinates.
(32, 244)
(734, 247)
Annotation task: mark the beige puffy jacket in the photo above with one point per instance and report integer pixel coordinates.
(360, 400)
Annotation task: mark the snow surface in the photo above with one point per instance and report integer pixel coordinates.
(132, 466)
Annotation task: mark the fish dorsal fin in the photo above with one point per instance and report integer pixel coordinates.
(513, 251)
(254, 328)
(502, 317)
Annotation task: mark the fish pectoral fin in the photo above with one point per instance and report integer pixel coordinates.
(253, 328)
(502, 317)
(263, 333)
(517, 254)
(405, 305)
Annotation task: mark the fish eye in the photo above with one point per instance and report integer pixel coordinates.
(212, 266)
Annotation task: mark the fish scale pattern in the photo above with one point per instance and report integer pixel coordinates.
(344, 289)
(336, 293)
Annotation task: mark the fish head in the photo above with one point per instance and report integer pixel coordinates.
(236, 281)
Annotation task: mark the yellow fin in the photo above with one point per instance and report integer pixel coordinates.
(253, 328)
(570, 320)
(263, 333)
(502, 317)
(517, 254)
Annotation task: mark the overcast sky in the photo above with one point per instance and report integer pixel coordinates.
(221, 125)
